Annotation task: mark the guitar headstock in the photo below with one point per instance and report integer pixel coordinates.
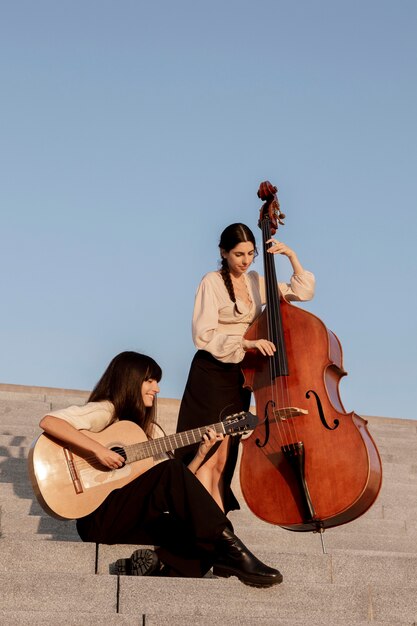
(270, 210)
(240, 423)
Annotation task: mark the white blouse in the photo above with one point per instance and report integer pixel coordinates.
(95, 417)
(219, 329)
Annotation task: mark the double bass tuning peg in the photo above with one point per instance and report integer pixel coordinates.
(271, 209)
(281, 217)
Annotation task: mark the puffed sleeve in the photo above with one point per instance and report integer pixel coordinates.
(205, 327)
(300, 288)
(93, 416)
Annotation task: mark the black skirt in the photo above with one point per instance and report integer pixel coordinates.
(213, 391)
(168, 507)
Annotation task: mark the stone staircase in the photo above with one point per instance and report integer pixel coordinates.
(48, 576)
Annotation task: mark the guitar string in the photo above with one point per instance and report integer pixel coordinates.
(151, 445)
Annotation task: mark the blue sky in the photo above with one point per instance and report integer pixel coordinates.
(132, 133)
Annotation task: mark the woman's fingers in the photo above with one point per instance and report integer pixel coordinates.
(211, 437)
(278, 247)
(265, 347)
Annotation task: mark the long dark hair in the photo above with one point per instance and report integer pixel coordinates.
(229, 239)
(121, 384)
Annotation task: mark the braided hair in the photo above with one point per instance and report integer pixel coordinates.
(229, 239)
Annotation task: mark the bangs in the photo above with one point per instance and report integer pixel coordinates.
(153, 370)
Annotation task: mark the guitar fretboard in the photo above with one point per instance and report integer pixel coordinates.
(153, 447)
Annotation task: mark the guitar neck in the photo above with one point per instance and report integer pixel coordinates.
(153, 447)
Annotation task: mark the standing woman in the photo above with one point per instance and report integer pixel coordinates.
(166, 505)
(226, 303)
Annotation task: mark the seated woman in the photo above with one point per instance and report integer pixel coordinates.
(166, 506)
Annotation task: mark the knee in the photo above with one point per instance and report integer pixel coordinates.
(217, 461)
(174, 466)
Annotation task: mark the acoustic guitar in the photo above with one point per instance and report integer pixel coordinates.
(70, 484)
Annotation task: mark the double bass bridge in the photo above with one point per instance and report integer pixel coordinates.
(282, 414)
(287, 412)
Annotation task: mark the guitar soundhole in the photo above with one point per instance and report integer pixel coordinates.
(120, 451)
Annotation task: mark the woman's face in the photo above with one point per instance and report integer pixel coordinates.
(240, 258)
(150, 388)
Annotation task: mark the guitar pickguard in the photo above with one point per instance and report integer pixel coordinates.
(91, 478)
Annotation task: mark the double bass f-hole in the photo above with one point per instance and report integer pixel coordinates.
(321, 412)
(266, 424)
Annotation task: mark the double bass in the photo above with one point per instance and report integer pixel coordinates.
(309, 465)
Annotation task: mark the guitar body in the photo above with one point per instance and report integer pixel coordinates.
(69, 483)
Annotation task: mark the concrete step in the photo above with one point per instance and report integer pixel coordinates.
(19, 399)
(388, 424)
(11, 440)
(400, 472)
(298, 568)
(52, 556)
(64, 593)
(243, 620)
(20, 507)
(108, 594)
(12, 526)
(29, 431)
(311, 543)
(18, 489)
(13, 452)
(14, 469)
(365, 525)
(397, 493)
(21, 618)
(25, 516)
(399, 452)
(75, 618)
(286, 601)
(405, 511)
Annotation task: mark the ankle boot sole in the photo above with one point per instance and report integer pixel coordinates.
(144, 562)
(247, 579)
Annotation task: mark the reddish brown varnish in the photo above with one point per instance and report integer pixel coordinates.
(313, 466)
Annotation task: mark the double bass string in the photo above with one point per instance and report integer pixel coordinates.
(280, 394)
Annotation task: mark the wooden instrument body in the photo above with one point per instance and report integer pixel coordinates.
(70, 483)
(342, 466)
(52, 480)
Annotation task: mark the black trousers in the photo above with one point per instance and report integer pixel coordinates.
(213, 391)
(167, 507)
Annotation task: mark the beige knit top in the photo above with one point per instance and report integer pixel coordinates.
(219, 329)
(95, 417)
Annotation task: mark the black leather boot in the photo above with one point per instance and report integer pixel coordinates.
(234, 559)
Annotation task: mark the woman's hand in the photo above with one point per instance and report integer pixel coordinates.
(209, 439)
(265, 347)
(108, 458)
(278, 247)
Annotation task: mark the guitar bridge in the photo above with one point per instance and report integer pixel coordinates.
(75, 479)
